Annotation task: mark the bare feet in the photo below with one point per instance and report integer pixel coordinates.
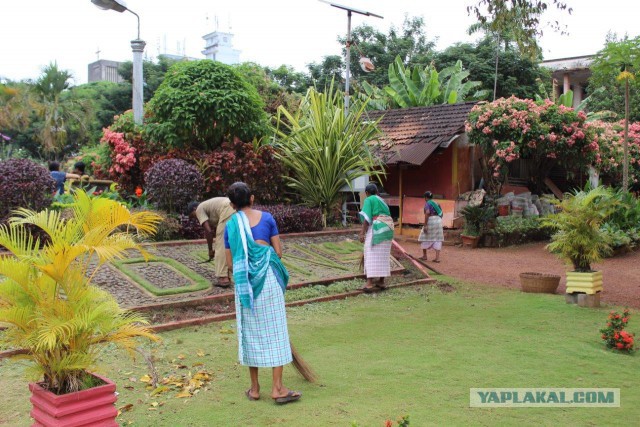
(424, 258)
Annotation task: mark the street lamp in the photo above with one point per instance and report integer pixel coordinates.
(137, 46)
(364, 64)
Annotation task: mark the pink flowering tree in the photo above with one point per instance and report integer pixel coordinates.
(610, 158)
(543, 133)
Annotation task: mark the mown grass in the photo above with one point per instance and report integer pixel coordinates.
(414, 351)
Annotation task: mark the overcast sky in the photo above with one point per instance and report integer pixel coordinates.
(294, 32)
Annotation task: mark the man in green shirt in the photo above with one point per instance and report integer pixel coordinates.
(213, 215)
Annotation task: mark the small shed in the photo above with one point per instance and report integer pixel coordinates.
(426, 148)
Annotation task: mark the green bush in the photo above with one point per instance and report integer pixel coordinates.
(201, 103)
(513, 230)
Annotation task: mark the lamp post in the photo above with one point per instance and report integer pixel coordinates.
(349, 10)
(137, 46)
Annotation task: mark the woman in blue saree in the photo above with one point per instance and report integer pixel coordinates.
(253, 249)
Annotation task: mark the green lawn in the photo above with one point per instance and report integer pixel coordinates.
(414, 351)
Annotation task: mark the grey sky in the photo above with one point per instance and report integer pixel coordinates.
(294, 32)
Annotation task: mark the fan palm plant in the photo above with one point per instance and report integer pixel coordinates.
(46, 296)
(325, 147)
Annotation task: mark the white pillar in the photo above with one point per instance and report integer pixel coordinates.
(594, 177)
(138, 80)
(566, 83)
(577, 95)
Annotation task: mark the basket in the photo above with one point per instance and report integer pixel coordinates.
(539, 283)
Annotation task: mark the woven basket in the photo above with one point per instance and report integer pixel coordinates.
(539, 283)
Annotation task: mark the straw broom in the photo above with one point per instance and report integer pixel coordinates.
(302, 366)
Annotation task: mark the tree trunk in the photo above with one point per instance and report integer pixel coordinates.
(625, 165)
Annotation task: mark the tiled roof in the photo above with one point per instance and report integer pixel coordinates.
(410, 135)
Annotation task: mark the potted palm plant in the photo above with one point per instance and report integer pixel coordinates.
(475, 218)
(54, 313)
(578, 237)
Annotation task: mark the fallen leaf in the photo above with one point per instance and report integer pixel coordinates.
(200, 353)
(145, 379)
(129, 387)
(154, 404)
(133, 379)
(181, 356)
(183, 394)
(195, 365)
(160, 389)
(226, 331)
(126, 407)
(181, 366)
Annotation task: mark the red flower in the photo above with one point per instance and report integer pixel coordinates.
(139, 192)
(625, 319)
(620, 346)
(388, 423)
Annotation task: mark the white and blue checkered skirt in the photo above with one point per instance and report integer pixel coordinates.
(263, 337)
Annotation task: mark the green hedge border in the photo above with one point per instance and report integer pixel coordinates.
(199, 282)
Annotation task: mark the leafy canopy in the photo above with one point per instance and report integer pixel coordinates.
(201, 103)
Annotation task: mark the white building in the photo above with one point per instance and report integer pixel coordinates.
(570, 74)
(104, 70)
(219, 47)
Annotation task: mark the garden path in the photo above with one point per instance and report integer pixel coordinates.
(502, 266)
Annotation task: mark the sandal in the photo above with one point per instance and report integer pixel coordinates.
(224, 283)
(368, 289)
(292, 396)
(248, 394)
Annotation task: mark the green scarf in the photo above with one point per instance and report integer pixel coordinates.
(251, 261)
(382, 225)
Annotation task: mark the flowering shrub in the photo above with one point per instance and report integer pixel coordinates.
(241, 161)
(610, 137)
(24, 184)
(124, 155)
(294, 219)
(542, 132)
(173, 183)
(614, 335)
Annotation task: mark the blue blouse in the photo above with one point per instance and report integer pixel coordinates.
(263, 230)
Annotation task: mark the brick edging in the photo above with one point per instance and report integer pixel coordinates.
(229, 316)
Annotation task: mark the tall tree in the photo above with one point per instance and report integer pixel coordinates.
(410, 43)
(57, 110)
(328, 71)
(521, 18)
(622, 56)
(517, 75)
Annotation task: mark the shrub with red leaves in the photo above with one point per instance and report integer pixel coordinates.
(293, 218)
(24, 184)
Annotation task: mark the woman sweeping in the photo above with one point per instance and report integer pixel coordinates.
(253, 249)
(377, 234)
(432, 234)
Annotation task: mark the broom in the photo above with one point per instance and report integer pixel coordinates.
(301, 366)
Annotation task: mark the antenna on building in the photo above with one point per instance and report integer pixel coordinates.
(98, 53)
(216, 22)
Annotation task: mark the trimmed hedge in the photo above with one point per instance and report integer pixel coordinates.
(199, 283)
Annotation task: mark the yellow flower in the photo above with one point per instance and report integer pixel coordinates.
(625, 75)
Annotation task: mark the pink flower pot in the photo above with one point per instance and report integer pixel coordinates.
(90, 407)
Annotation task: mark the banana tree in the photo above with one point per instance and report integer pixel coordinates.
(424, 86)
